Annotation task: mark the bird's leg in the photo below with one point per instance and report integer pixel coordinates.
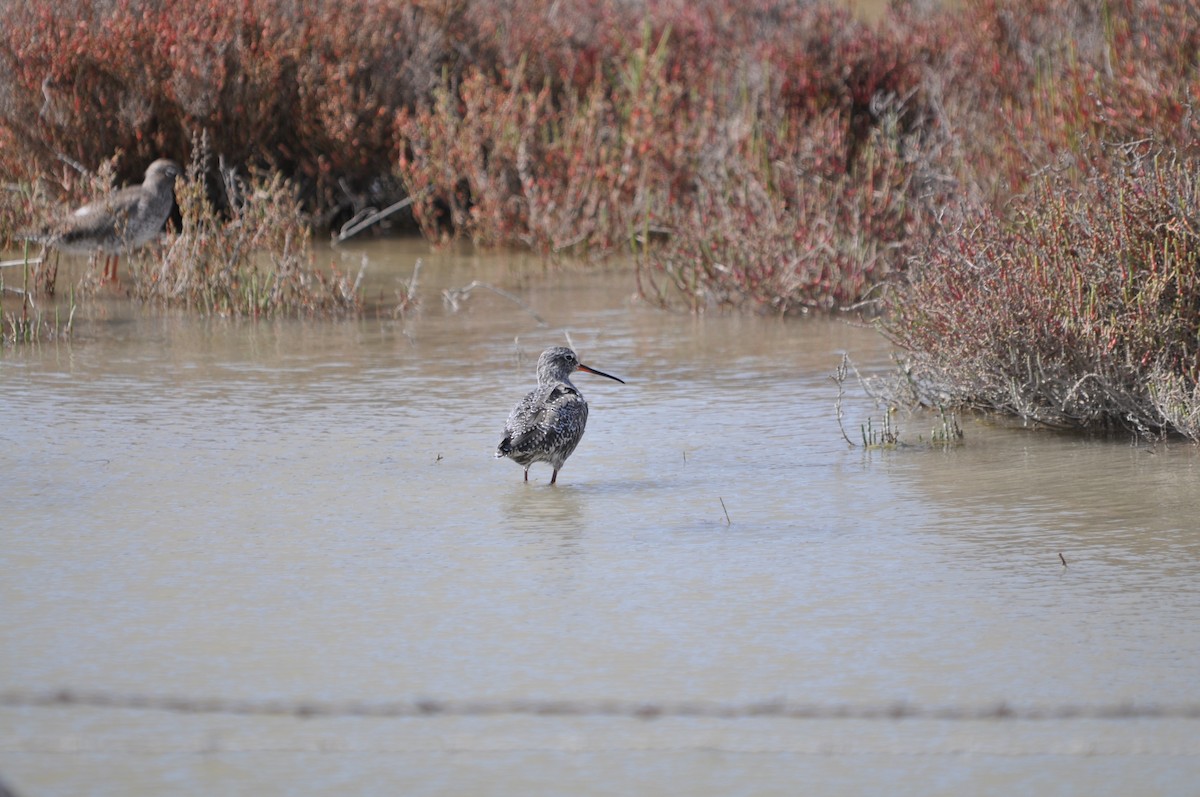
(554, 476)
(46, 274)
(527, 474)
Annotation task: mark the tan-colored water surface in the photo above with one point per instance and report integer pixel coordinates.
(310, 513)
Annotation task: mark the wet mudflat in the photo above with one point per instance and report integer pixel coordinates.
(310, 514)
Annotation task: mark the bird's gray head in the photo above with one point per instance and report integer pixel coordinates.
(163, 170)
(557, 363)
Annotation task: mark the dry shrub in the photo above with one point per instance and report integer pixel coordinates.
(508, 163)
(765, 162)
(792, 235)
(814, 179)
(1025, 85)
(1081, 311)
(460, 160)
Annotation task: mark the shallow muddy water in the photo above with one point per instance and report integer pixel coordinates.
(199, 509)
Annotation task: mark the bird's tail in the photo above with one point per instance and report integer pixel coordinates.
(43, 236)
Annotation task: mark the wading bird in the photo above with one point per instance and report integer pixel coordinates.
(548, 423)
(118, 223)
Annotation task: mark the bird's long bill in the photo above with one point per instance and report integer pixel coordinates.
(590, 370)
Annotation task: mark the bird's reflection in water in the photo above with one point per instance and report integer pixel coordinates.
(552, 517)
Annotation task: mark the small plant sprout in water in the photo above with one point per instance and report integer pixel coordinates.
(885, 433)
(406, 294)
(948, 432)
(31, 323)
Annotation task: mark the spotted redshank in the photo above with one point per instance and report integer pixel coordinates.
(548, 423)
(120, 222)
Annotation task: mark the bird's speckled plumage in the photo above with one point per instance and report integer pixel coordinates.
(120, 222)
(548, 423)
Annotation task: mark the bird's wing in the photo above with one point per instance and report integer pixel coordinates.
(536, 418)
(118, 202)
(108, 216)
